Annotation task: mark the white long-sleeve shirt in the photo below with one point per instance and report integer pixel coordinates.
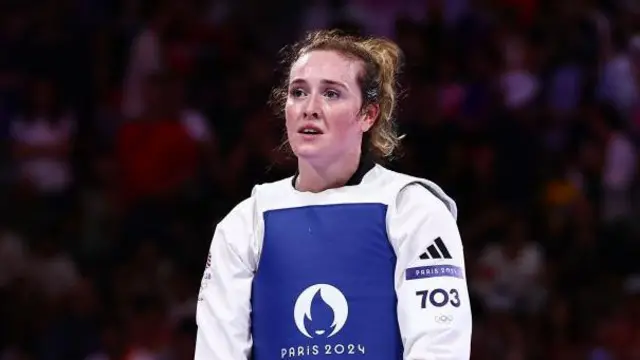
(372, 270)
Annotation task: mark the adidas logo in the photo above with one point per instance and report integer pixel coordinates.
(436, 251)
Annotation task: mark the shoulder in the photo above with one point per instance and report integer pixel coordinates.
(416, 193)
(242, 216)
(271, 193)
(423, 217)
(248, 211)
(236, 232)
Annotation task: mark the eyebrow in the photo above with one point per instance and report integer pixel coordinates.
(323, 81)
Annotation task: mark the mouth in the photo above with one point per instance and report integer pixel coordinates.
(309, 130)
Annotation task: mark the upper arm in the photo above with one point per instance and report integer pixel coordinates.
(434, 313)
(224, 302)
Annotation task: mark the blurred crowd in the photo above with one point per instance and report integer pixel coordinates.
(128, 128)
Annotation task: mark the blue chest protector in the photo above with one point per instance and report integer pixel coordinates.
(324, 288)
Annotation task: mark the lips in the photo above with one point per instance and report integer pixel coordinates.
(310, 130)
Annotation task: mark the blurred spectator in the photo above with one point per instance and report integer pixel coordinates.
(511, 274)
(158, 152)
(145, 58)
(42, 139)
(42, 142)
(619, 166)
(519, 85)
(13, 256)
(619, 84)
(51, 269)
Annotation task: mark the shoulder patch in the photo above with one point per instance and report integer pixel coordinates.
(436, 251)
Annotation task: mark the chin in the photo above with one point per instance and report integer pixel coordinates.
(307, 151)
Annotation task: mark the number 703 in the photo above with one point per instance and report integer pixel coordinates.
(439, 297)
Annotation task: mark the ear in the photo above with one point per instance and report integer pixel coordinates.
(369, 117)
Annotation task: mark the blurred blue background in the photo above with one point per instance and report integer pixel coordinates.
(129, 127)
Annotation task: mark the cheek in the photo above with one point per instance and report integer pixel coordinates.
(290, 114)
(344, 121)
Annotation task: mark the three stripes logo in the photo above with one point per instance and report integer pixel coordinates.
(436, 251)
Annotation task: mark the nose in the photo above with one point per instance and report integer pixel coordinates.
(311, 115)
(312, 108)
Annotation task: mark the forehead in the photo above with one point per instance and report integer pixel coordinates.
(325, 65)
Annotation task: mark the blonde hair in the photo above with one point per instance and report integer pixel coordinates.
(382, 60)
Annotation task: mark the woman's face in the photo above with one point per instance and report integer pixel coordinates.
(323, 109)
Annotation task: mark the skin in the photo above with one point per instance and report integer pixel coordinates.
(324, 93)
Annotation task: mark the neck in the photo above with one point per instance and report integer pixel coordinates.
(334, 174)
